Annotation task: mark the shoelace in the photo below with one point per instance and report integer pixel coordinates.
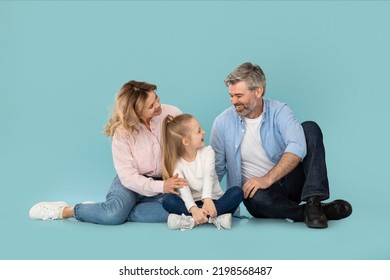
(185, 223)
(316, 208)
(216, 222)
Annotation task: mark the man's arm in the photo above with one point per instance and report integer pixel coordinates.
(286, 164)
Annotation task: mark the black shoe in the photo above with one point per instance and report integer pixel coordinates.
(314, 214)
(338, 209)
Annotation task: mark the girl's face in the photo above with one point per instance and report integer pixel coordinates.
(196, 136)
(152, 107)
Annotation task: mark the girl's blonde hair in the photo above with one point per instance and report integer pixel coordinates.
(174, 129)
(128, 106)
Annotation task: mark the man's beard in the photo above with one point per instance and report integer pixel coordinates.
(248, 109)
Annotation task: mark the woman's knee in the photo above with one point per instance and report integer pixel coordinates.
(116, 213)
(114, 220)
(117, 207)
(100, 213)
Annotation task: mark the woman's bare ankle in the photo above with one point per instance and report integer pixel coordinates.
(67, 212)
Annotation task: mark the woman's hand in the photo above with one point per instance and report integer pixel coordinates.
(209, 207)
(172, 184)
(199, 215)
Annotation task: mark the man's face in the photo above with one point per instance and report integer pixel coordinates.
(242, 98)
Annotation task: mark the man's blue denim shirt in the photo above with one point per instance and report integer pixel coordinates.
(280, 132)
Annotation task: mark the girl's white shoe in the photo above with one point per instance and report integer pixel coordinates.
(222, 221)
(181, 222)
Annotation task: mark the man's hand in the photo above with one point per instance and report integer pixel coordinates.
(254, 184)
(172, 184)
(286, 164)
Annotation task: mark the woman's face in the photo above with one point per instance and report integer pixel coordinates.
(151, 108)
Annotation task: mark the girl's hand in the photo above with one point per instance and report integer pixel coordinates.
(209, 207)
(173, 183)
(199, 215)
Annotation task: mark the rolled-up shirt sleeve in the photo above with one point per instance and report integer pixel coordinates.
(292, 132)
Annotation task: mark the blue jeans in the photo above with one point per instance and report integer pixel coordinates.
(282, 199)
(122, 205)
(227, 203)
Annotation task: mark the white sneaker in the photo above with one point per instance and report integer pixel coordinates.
(47, 210)
(181, 222)
(223, 221)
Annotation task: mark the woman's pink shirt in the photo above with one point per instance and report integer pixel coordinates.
(138, 157)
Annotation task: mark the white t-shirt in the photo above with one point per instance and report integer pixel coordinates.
(201, 176)
(254, 160)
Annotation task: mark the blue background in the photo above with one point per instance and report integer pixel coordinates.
(61, 64)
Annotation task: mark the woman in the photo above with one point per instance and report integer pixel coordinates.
(136, 192)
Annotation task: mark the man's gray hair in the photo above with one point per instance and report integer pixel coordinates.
(252, 74)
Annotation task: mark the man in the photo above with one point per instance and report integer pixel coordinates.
(279, 163)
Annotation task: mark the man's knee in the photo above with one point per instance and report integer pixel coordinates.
(311, 127)
(262, 198)
(257, 205)
(313, 132)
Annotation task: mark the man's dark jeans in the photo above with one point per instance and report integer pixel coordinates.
(282, 199)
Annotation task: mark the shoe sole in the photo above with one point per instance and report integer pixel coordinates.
(315, 225)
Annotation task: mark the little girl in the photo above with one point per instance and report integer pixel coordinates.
(185, 155)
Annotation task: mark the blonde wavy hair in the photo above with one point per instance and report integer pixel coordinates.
(128, 106)
(174, 129)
